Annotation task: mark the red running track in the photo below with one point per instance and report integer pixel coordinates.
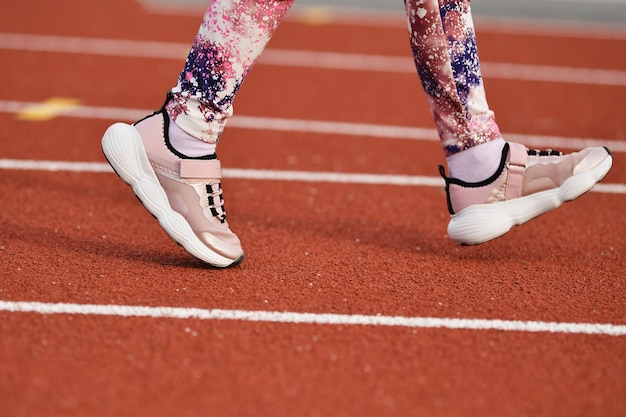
(312, 247)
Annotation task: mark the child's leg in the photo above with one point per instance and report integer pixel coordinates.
(231, 37)
(445, 53)
(493, 185)
(169, 157)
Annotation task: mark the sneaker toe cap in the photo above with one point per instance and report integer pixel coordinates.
(227, 245)
(592, 158)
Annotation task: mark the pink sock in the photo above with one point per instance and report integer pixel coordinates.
(186, 144)
(476, 163)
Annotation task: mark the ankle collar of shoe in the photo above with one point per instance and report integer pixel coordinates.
(166, 136)
(514, 158)
(456, 181)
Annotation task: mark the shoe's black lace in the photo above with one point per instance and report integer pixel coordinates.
(216, 201)
(547, 152)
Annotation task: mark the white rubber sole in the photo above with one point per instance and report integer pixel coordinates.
(124, 151)
(483, 222)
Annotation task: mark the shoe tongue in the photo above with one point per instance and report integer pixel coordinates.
(200, 169)
(518, 154)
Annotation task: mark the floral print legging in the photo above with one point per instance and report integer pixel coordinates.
(234, 33)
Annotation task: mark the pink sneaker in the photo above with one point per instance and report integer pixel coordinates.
(185, 195)
(527, 184)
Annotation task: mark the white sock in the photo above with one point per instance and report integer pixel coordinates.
(476, 163)
(186, 144)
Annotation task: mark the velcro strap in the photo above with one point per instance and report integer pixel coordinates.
(200, 168)
(516, 169)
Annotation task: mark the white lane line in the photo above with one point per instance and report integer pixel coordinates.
(308, 59)
(271, 175)
(324, 127)
(501, 70)
(314, 318)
